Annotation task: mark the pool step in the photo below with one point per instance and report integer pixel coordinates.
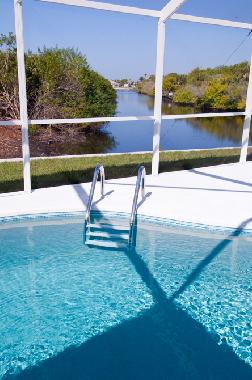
(106, 244)
(107, 235)
(111, 227)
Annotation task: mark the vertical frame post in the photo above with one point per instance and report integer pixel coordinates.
(247, 120)
(158, 95)
(22, 94)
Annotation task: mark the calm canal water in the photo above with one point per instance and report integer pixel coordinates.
(175, 134)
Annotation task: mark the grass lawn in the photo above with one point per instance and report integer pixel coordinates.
(55, 172)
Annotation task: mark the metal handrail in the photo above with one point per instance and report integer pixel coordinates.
(140, 182)
(99, 169)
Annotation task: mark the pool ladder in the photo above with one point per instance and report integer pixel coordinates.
(109, 235)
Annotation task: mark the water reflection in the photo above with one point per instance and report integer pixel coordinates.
(167, 107)
(175, 134)
(56, 140)
(221, 127)
(92, 141)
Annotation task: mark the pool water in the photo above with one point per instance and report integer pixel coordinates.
(179, 306)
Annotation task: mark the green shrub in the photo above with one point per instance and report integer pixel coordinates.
(60, 84)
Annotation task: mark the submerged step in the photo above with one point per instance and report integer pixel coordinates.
(106, 244)
(103, 234)
(110, 227)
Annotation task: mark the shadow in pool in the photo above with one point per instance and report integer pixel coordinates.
(163, 342)
(207, 260)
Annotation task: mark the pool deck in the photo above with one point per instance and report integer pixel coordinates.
(217, 196)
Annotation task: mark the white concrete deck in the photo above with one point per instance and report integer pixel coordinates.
(218, 195)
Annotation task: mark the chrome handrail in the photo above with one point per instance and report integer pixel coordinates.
(99, 169)
(139, 182)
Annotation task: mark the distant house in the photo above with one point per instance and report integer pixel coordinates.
(114, 83)
(122, 84)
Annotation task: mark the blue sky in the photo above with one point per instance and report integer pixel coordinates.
(119, 45)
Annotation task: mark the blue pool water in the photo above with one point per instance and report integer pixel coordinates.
(178, 307)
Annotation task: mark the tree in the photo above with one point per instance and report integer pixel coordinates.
(222, 87)
(215, 96)
(197, 76)
(60, 84)
(184, 96)
(172, 82)
(169, 84)
(9, 100)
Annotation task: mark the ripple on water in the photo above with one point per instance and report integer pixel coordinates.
(56, 293)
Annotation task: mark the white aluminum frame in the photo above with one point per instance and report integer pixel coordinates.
(22, 94)
(247, 119)
(168, 12)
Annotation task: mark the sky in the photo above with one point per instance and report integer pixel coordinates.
(124, 46)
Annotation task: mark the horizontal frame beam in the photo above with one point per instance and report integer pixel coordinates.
(87, 155)
(202, 115)
(10, 123)
(91, 120)
(211, 21)
(152, 13)
(108, 7)
(120, 118)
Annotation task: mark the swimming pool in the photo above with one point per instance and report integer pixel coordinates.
(179, 306)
